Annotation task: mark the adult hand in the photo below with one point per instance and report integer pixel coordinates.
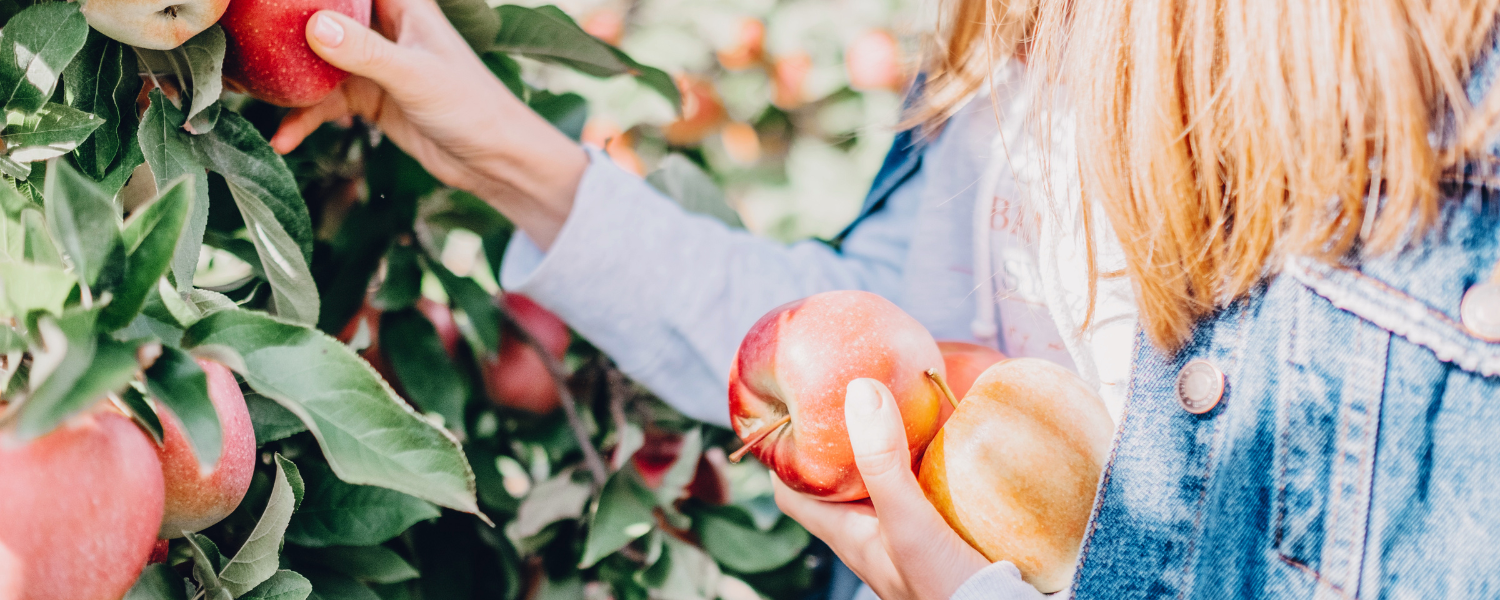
(421, 85)
(911, 553)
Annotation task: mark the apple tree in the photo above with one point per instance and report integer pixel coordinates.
(147, 223)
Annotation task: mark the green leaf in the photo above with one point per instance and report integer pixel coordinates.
(149, 238)
(556, 499)
(624, 512)
(694, 190)
(548, 34)
(693, 573)
(403, 279)
(238, 152)
(567, 112)
(93, 366)
(206, 559)
(374, 564)
(475, 20)
(271, 421)
(368, 435)
(35, 46)
(507, 69)
(103, 80)
(179, 384)
(474, 302)
(52, 131)
(258, 558)
(336, 513)
(728, 531)
(681, 473)
(84, 222)
(332, 586)
(25, 287)
(158, 582)
(169, 152)
(293, 291)
(39, 248)
(427, 373)
(199, 65)
(141, 412)
(282, 585)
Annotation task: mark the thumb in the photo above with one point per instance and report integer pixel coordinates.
(353, 47)
(878, 438)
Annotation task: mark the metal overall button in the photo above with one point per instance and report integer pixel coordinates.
(1480, 311)
(1200, 385)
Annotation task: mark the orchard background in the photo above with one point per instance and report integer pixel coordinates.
(147, 223)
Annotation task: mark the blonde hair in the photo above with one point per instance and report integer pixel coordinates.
(971, 39)
(1220, 135)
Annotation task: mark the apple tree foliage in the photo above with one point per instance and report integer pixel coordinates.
(145, 221)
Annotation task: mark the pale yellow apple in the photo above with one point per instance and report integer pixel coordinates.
(153, 24)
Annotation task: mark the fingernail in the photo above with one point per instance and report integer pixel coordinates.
(328, 31)
(862, 398)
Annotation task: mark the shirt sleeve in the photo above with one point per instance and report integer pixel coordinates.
(1000, 581)
(669, 294)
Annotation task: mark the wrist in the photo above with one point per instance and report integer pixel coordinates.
(534, 176)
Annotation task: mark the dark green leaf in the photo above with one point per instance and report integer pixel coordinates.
(35, 46)
(475, 20)
(474, 302)
(179, 384)
(170, 153)
(40, 249)
(403, 279)
(141, 412)
(559, 498)
(283, 585)
(259, 557)
(508, 70)
(548, 34)
(52, 131)
(332, 586)
(624, 512)
(158, 582)
(368, 435)
(198, 65)
(373, 564)
(238, 152)
(84, 222)
(335, 513)
(727, 532)
(18, 170)
(427, 373)
(149, 238)
(103, 80)
(271, 421)
(567, 112)
(683, 181)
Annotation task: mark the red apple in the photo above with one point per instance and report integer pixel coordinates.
(153, 24)
(81, 506)
(195, 498)
(965, 363)
(798, 360)
(267, 55)
(517, 377)
(1015, 469)
(656, 455)
(711, 481)
(10, 575)
(873, 61)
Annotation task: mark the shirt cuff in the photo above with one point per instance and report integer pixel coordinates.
(999, 581)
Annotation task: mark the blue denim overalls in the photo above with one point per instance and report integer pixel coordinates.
(1348, 444)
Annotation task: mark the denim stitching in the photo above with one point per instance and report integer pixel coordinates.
(1398, 313)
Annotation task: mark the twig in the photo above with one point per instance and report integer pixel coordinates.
(619, 393)
(559, 374)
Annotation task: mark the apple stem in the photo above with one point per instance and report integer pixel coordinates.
(757, 436)
(942, 384)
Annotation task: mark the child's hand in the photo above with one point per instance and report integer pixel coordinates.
(911, 553)
(421, 85)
